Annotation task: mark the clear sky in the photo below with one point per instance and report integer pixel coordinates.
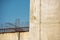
(12, 9)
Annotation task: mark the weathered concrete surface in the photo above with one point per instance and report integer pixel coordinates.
(14, 36)
(45, 19)
(24, 36)
(8, 36)
(34, 19)
(50, 20)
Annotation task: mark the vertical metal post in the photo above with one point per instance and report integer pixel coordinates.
(18, 35)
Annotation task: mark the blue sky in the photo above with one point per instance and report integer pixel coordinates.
(12, 9)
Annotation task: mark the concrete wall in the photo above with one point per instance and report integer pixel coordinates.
(24, 36)
(50, 20)
(45, 19)
(35, 20)
(14, 36)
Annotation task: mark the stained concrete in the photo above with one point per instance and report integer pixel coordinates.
(45, 19)
(14, 36)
